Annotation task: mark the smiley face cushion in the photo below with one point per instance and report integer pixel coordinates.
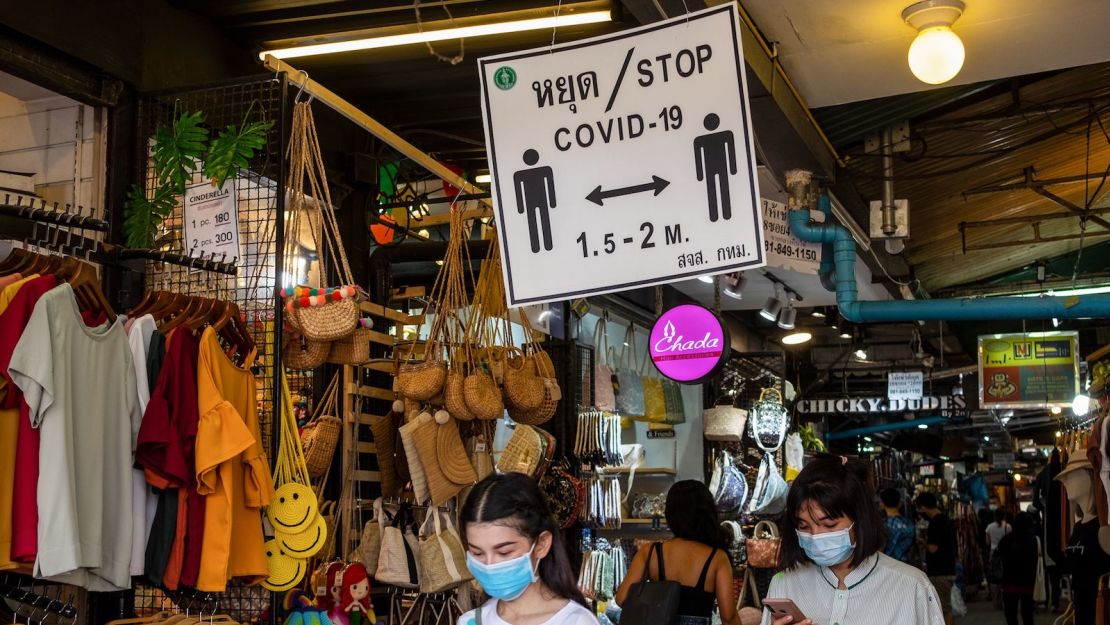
(283, 570)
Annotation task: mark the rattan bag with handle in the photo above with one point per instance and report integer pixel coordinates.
(524, 453)
(763, 546)
(303, 353)
(524, 388)
(353, 349)
(321, 317)
(320, 436)
(442, 559)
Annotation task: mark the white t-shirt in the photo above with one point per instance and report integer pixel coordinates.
(573, 613)
(138, 339)
(995, 532)
(79, 384)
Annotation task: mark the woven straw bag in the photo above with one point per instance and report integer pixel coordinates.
(353, 349)
(385, 435)
(480, 453)
(334, 320)
(524, 388)
(552, 393)
(482, 396)
(443, 459)
(524, 453)
(321, 435)
(416, 469)
(302, 353)
(370, 542)
(453, 396)
(322, 318)
(422, 380)
(442, 559)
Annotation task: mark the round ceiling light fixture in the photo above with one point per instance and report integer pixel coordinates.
(796, 338)
(936, 54)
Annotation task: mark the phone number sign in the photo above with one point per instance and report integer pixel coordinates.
(624, 160)
(783, 248)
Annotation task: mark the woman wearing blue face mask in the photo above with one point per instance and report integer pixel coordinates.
(515, 552)
(833, 567)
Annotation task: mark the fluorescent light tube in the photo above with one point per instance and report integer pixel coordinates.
(477, 30)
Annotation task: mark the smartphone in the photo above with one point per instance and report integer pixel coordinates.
(784, 607)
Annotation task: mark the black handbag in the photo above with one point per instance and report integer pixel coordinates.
(652, 603)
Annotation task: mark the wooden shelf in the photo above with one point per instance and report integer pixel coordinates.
(639, 471)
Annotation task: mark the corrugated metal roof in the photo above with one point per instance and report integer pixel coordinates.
(847, 124)
(950, 159)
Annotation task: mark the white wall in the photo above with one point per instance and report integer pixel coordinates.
(58, 140)
(684, 451)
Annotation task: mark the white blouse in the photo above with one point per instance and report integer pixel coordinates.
(880, 591)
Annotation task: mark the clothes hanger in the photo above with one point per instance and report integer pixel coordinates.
(153, 618)
(88, 282)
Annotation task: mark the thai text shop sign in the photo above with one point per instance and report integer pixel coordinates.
(688, 343)
(623, 161)
(1032, 370)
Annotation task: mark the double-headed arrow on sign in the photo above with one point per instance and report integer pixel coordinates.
(657, 184)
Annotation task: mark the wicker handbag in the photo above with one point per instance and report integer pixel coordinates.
(524, 453)
(320, 435)
(763, 546)
(482, 396)
(524, 388)
(545, 371)
(442, 559)
(302, 353)
(353, 349)
(334, 320)
(453, 396)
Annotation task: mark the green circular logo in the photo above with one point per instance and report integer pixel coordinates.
(504, 78)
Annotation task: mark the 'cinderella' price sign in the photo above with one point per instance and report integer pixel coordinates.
(688, 343)
(623, 161)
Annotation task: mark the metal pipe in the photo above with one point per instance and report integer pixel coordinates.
(967, 309)
(885, 427)
(890, 224)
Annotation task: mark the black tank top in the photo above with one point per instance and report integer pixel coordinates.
(694, 600)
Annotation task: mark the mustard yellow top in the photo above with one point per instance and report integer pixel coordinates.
(231, 467)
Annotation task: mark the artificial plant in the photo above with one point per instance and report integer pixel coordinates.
(179, 150)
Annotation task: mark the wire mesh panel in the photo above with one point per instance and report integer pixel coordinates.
(260, 203)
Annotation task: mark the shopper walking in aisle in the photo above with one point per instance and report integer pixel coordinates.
(516, 553)
(940, 550)
(997, 529)
(899, 529)
(1017, 552)
(833, 566)
(696, 557)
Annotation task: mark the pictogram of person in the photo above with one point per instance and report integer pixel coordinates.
(535, 194)
(713, 153)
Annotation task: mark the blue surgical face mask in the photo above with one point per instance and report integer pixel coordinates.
(829, 548)
(504, 580)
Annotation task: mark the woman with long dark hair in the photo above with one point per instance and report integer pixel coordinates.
(696, 557)
(516, 553)
(833, 566)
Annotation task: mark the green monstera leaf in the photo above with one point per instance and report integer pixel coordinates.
(142, 215)
(233, 149)
(178, 149)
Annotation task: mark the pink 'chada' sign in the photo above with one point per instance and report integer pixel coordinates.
(688, 343)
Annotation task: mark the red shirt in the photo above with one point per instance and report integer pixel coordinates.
(25, 513)
(166, 446)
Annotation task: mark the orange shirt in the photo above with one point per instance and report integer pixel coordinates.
(232, 472)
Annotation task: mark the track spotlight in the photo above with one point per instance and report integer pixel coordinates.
(788, 315)
(773, 306)
(733, 284)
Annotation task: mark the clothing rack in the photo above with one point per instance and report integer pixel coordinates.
(38, 212)
(10, 588)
